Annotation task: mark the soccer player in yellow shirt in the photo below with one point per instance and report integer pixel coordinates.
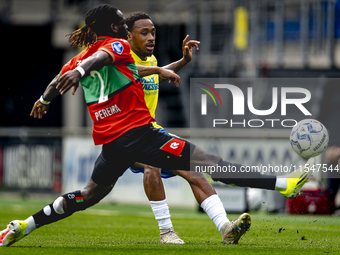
(141, 37)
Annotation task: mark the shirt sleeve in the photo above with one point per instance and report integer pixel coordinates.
(65, 68)
(73, 63)
(119, 50)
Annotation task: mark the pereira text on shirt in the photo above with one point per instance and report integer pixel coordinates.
(106, 112)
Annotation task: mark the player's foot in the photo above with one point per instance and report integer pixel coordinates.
(297, 179)
(170, 236)
(232, 231)
(14, 232)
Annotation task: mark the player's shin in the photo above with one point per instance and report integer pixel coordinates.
(61, 208)
(162, 214)
(214, 208)
(234, 174)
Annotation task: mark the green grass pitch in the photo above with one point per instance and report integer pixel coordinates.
(123, 229)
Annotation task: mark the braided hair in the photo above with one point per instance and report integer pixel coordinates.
(133, 17)
(97, 22)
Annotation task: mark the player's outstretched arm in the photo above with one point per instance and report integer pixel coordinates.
(163, 73)
(187, 56)
(41, 106)
(60, 85)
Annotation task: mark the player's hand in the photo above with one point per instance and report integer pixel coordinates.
(39, 109)
(170, 75)
(187, 48)
(68, 80)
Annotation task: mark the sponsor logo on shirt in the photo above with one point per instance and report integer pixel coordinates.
(107, 112)
(149, 83)
(117, 47)
(174, 146)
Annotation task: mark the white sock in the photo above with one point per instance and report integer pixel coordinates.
(30, 225)
(161, 211)
(281, 184)
(215, 210)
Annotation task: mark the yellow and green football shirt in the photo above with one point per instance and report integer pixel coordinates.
(150, 83)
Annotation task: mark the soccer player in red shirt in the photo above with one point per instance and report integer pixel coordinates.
(122, 123)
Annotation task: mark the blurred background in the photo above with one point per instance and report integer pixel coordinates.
(239, 39)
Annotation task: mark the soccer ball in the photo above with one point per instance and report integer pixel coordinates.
(309, 138)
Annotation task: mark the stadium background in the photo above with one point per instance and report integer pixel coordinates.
(239, 39)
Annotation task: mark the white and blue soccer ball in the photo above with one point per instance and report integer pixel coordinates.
(309, 138)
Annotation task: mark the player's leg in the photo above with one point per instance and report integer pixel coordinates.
(155, 192)
(199, 184)
(288, 185)
(167, 152)
(201, 158)
(204, 192)
(103, 178)
(153, 184)
(206, 196)
(64, 206)
(67, 204)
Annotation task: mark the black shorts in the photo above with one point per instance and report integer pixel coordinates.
(146, 145)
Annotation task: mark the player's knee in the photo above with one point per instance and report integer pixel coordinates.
(205, 158)
(85, 193)
(150, 170)
(151, 174)
(197, 179)
(212, 158)
(104, 173)
(90, 196)
(93, 193)
(189, 176)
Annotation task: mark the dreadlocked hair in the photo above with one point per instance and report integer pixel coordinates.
(97, 22)
(133, 17)
(82, 37)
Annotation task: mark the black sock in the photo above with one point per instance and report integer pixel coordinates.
(243, 179)
(74, 203)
